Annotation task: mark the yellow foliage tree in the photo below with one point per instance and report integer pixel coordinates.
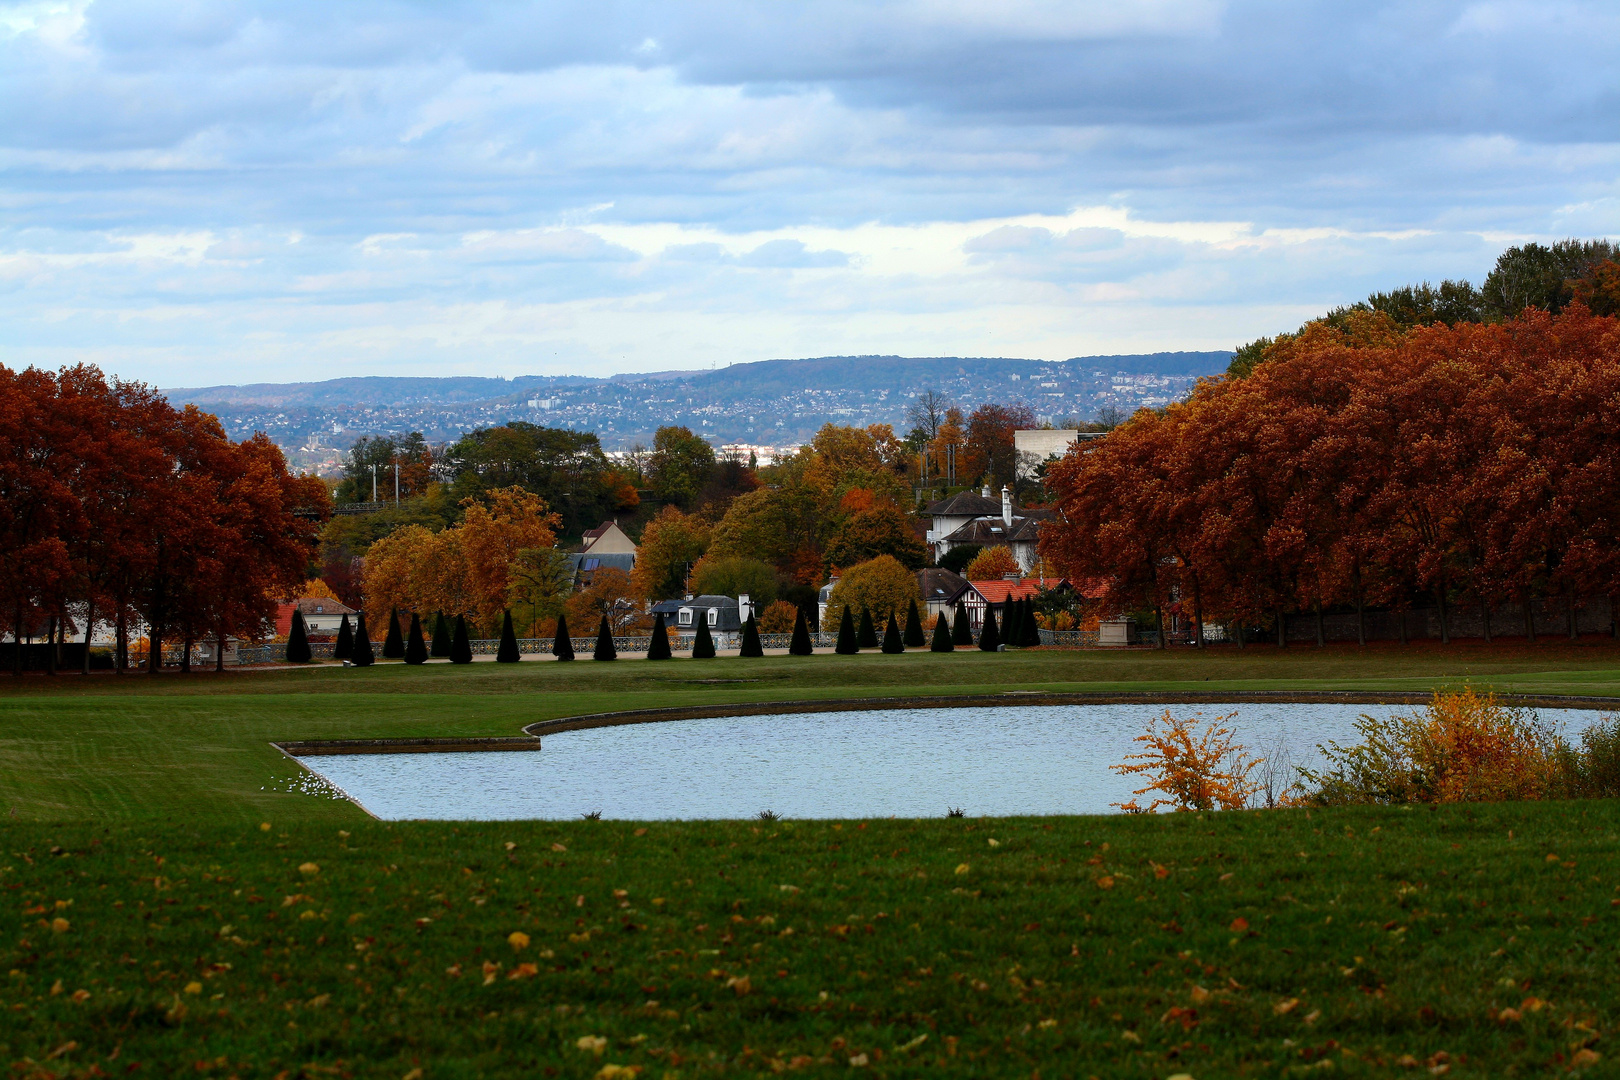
(317, 588)
(1206, 770)
(882, 585)
(492, 538)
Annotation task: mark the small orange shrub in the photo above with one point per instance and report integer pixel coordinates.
(1205, 770)
(778, 618)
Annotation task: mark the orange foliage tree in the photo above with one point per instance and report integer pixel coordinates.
(1207, 770)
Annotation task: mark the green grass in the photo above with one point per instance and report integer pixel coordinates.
(108, 749)
(971, 947)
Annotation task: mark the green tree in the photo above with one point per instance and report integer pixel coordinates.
(413, 455)
(735, 576)
(680, 465)
(565, 468)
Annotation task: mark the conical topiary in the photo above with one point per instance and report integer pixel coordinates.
(441, 644)
(604, 642)
(942, 636)
(297, 640)
(750, 639)
(914, 628)
(893, 640)
(562, 646)
(658, 644)
(703, 641)
(343, 648)
(989, 636)
(508, 652)
(460, 646)
(800, 645)
(962, 627)
(393, 644)
(848, 644)
(867, 635)
(1032, 630)
(1008, 630)
(415, 648)
(361, 655)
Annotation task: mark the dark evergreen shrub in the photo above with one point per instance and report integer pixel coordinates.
(989, 636)
(750, 639)
(868, 633)
(460, 645)
(848, 644)
(1032, 629)
(297, 640)
(415, 648)
(893, 640)
(441, 645)
(343, 648)
(962, 627)
(914, 628)
(604, 642)
(942, 636)
(702, 641)
(508, 653)
(800, 645)
(562, 646)
(393, 644)
(658, 644)
(362, 656)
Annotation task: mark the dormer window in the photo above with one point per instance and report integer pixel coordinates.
(684, 617)
(714, 616)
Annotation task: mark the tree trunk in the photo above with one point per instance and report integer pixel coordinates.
(1321, 638)
(1282, 629)
(50, 646)
(1445, 628)
(1614, 626)
(185, 654)
(1237, 630)
(219, 649)
(1158, 618)
(1529, 621)
(121, 640)
(17, 642)
(1401, 616)
(1485, 615)
(1198, 614)
(89, 623)
(1569, 606)
(1361, 609)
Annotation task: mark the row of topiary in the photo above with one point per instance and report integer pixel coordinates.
(354, 645)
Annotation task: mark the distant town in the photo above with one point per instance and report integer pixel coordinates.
(758, 408)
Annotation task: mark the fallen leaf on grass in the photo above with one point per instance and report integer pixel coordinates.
(1200, 995)
(59, 925)
(414, 1074)
(1407, 1061)
(1105, 883)
(591, 1044)
(1313, 1016)
(616, 1072)
(1509, 1016)
(1585, 1056)
(1160, 872)
(1283, 1008)
(962, 868)
(510, 846)
(858, 1061)
(65, 1048)
(523, 971)
(558, 847)
(1532, 1004)
(81, 996)
(193, 987)
(518, 940)
(309, 869)
(491, 969)
(994, 842)
(741, 985)
(1239, 925)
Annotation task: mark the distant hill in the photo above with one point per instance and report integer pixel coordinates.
(767, 403)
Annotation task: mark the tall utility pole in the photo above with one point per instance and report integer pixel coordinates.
(374, 483)
(396, 483)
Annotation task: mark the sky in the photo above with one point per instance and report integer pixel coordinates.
(239, 191)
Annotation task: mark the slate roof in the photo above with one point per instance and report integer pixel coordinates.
(941, 586)
(990, 531)
(583, 562)
(966, 504)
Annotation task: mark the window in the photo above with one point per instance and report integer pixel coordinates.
(684, 618)
(714, 616)
(590, 564)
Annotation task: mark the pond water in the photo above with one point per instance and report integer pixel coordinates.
(995, 761)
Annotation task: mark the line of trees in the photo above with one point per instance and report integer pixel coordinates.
(1364, 463)
(115, 505)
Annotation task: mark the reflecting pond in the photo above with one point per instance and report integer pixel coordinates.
(994, 760)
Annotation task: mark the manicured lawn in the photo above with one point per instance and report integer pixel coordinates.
(103, 749)
(1257, 943)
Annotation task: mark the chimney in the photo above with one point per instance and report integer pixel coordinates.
(1006, 506)
(985, 491)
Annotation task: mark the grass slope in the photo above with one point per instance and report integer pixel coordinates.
(1238, 944)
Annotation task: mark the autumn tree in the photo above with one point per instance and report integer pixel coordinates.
(671, 543)
(882, 586)
(992, 564)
